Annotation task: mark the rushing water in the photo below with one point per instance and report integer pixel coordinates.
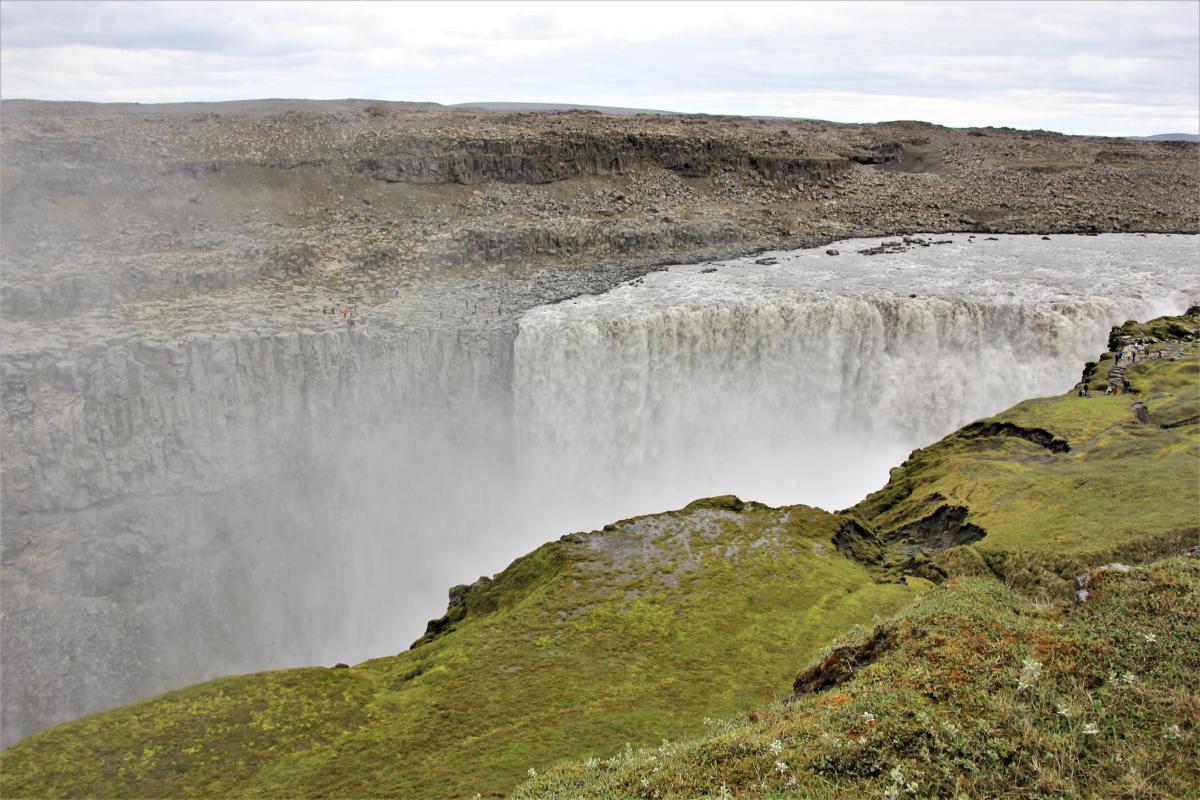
(805, 380)
(429, 464)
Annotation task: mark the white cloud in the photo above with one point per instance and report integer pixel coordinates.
(1110, 68)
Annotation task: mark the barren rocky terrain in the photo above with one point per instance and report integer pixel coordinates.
(106, 204)
(169, 274)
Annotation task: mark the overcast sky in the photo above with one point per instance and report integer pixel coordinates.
(1116, 68)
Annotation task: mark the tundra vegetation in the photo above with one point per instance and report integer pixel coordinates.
(967, 631)
(185, 414)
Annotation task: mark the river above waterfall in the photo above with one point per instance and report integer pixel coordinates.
(998, 269)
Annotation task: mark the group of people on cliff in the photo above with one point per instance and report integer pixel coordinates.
(1119, 384)
(347, 311)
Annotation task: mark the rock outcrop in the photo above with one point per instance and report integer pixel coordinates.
(111, 204)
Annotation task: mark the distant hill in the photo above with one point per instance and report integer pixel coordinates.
(629, 112)
(520, 107)
(1170, 137)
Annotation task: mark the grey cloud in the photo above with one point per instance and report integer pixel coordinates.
(56, 24)
(1134, 56)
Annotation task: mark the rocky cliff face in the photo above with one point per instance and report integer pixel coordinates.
(169, 503)
(189, 434)
(111, 204)
(548, 158)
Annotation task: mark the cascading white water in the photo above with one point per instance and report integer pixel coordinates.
(308, 498)
(804, 381)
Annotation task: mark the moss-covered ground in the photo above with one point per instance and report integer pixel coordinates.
(631, 634)
(990, 686)
(1128, 487)
(980, 693)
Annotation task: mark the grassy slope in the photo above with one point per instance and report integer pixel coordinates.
(638, 632)
(1125, 490)
(634, 633)
(983, 693)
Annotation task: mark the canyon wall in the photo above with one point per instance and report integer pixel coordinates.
(206, 470)
(178, 507)
(177, 510)
(547, 159)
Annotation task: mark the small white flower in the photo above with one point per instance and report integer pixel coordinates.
(1173, 732)
(781, 767)
(1129, 678)
(1063, 711)
(791, 781)
(1091, 729)
(776, 747)
(645, 783)
(1031, 670)
(1149, 637)
(868, 718)
(532, 772)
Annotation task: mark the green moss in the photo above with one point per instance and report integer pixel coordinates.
(1185, 327)
(640, 632)
(978, 693)
(1124, 483)
(219, 734)
(1174, 411)
(634, 633)
(1079, 420)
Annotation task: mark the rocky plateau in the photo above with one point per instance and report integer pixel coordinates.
(177, 279)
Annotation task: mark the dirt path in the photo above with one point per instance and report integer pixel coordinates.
(1116, 373)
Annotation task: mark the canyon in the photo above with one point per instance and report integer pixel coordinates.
(276, 374)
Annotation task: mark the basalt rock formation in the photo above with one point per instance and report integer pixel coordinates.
(202, 303)
(110, 203)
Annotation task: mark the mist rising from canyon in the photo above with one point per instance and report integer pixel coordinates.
(309, 497)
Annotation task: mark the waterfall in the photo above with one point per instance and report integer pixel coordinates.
(796, 382)
(182, 509)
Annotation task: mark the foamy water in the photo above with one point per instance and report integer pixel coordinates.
(806, 380)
